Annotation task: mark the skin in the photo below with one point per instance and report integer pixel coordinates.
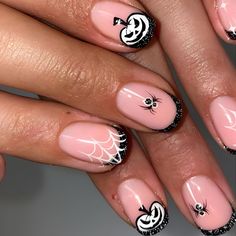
(167, 153)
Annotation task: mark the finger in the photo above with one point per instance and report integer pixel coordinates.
(41, 60)
(222, 14)
(135, 193)
(187, 167)
(207, 74)
(2, 167)
(120, 26)
(55, 134)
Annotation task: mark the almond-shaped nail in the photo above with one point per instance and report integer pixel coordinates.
(227, 14)
(149, 106)
(94, 143)
(143, 207)
(210, 209)
(123, 23)
(223, 115)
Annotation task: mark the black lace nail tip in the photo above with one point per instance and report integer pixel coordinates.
(231, 34)
(231, 151)
(178, 117)
(223, 229)
(155, 229)
(123, 147)
(135, 38)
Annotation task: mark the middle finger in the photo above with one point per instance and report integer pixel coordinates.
(39, 59)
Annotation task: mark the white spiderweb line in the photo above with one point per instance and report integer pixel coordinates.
(231, 117)
(113, 138)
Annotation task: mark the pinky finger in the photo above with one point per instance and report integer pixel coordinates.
(2, 167)
(222, 14)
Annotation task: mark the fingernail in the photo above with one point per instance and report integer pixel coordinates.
(149, 106)
(123, 23)
(223, 114)
(227, 15)
(209, 207)
(143, 207)
(94, 143)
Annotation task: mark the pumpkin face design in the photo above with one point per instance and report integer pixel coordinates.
(138, 30)
(153, 221)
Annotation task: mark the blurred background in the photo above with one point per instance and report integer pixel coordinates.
(39, 200)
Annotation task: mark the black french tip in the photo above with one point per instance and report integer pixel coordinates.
(223, 229)
(123, 147)
(178, 117)
(229, 150)
(231, 34)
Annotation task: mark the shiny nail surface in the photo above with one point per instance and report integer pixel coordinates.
(227, 14)
(143, 207)
(223, 114)
(149, 106)
(209, 207)
(123, 23)
(94, 143)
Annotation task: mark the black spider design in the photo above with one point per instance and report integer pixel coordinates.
(151, 103)
(200, 209)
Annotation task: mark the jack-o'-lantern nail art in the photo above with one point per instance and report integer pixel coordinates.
(123, 23)
(95, 143)
(150, 106)
(210, 209)
(141, 205)
(227, 15)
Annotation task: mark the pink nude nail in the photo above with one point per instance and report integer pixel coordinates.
(208, 205)
(223, 114)
(94, 143)
(149, 106)
(142, 207)
(123, 23)
(227, 15)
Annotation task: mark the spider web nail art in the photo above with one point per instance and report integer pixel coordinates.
(112, 150)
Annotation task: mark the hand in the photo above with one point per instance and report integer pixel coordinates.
(128, 175)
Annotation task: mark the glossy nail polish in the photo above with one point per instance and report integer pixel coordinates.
(209, 207)
(223, 114)
(227, 14)
(94, 143)
(123, 23)
(149, 106)
(143, 207)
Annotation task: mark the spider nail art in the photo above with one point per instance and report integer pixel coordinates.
(200, 209)
(95, 143)
(151, 103)
(128, 26)
(210, 209)
(227, 15)
(150, 106)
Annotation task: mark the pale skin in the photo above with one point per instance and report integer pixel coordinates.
(39, 59)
